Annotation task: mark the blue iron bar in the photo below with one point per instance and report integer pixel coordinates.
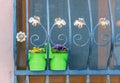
(112, 38)
(91, 39)
(47, 79)
(67, 79)
(91, 30)
(88, 76)
(48, 18)
(48, 30)
(27, 32)
(108, 78)
(70, 72)
(112, 32)
(14, 42)
(70, 28)
(27, 79)
(27, 40)
(70, 38)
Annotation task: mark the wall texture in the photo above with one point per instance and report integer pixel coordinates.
(6, 41)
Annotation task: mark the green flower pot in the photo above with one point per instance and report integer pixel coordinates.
(59, 61)
(37, 61)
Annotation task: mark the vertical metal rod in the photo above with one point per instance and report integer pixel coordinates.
(91, 30)
(90, 15)
(112, 32)
(88, 79)
(67, 79)
(70, 37)
(88, 76)
(15, 78)
(48, 30)
(108, 76)
(70, 28)
(112, 38)
(48, 18)
(27, 40)
(91, 39)
(47, 79)
(14, 43)
(27, 79)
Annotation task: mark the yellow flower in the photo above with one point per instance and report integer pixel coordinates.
(37, 49)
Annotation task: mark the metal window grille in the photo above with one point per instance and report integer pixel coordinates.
(80, 36)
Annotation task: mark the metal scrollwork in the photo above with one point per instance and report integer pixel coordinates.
(80, 23)
(59, 23)
(35, 21)
(104, 24)
(117, 38)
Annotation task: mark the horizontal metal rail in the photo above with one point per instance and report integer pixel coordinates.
(70, 72)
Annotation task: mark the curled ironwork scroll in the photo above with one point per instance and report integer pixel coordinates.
(117, 37)
(35, 21)
(59, 23)
(117, 40)
(106, 38)
(80, 23)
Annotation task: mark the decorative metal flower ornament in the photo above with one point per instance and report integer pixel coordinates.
(118, 23)
(60, 22)
(34, 20)
(104, 22)
(21, 36)
(79, 23)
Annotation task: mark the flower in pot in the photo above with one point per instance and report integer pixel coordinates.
(36, 58)
(58, 57)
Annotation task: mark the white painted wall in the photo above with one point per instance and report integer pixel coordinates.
(6, 41)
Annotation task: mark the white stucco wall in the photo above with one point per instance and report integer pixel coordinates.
(6, 41)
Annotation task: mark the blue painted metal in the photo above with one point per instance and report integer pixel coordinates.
(35, 37)
(59, 36)
(107, 41)
(108, 78)
(88, 76)
(112, 32)
(67, 78)
(88, 79)
(70, 28)
(27, 40)
(91, 40)
(68, 72)
(27, 32)
(47, 79)
(14, 43)
(48, 30)
(70, 38)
